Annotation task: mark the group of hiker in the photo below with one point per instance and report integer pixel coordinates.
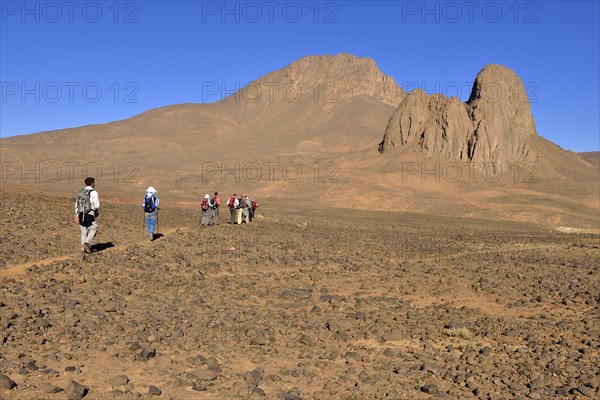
(87, 209)
(209, 208)
(242, 209)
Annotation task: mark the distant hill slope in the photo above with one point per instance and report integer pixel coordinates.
(592, 157)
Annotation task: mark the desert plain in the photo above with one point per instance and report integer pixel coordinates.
(308, 303)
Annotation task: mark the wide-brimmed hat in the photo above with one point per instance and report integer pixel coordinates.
(207, 196)
(151, 190)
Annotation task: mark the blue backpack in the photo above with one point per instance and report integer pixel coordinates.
(149, 205)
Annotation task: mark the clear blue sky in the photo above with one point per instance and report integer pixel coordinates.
(71, 64)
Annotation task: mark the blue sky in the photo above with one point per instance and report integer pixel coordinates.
(70, 64)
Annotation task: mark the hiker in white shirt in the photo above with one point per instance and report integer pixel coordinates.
(87, 208)
(151, 206)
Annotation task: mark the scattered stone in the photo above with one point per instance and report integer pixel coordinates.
(257, 393)
(307, 340)
(254, 378)
(135, 346)
(213, 363)
(430, 389)
(292, 394)
(584, 390)
(7, 364)
(69, 305)
(199, 387)
(31, 365)
(205, 374)
(178, 333)
(50, 371)
(363, 376)
(6, 383)
(119, 380)
(392, 352)
(75, 391)
(517, 387)
(147, 353)
(51, 389)
(154, 391)
(258, 341)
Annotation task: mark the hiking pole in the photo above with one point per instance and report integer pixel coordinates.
(156, 229)
(143, 224)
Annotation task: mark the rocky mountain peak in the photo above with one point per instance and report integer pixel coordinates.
(339, 77)
(493, 126)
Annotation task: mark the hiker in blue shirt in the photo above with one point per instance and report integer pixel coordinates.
(150, 206)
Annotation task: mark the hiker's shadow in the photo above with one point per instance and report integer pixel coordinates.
(102, 246)
(157, 236)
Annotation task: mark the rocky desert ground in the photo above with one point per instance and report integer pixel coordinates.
(301, 304)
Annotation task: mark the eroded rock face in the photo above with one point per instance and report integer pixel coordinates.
(493, 126)
(501, 115)
(440, 125)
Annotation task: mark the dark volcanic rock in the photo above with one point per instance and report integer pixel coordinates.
(147, 353)
(154, 391)
(431, 389)
(51, 389)
(6, 383)
(75, 391)
(584, 390)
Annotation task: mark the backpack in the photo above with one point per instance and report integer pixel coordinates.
(204, 204)
(149, 205)
(254, 204)
(212, 203)
(217, 202)
(231, 202)
(84, 203)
